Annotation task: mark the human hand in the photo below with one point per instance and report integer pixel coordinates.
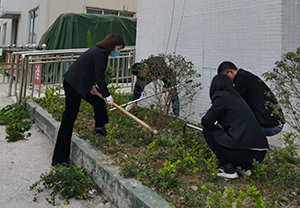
(110, 102)
(93, 90)
(164, 90)
(130, 107)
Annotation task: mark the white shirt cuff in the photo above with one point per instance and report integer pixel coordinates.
(108, 98)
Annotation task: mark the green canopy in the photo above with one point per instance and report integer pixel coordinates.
(72, 30)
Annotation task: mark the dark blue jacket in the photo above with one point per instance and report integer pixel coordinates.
(240, 127)
(87, 70)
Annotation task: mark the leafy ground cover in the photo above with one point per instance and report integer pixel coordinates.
(17, 121)
(69, 183)
(182, 170)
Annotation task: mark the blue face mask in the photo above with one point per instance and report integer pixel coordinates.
(114, 53)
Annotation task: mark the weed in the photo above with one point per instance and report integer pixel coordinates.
(15, 131)
(52, 102)
(167, 178)
(16, 119)
(14, 112)
(260, 170)
(70, 182)
(130, 170)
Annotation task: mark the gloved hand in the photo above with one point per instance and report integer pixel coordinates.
(110, 102)
(143, 94)
(130, 107)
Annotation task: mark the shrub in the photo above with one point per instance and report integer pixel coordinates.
(285, 79)
(177, 71)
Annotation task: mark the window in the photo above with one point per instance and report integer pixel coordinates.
(94, 11)
(1, 6)
(109, 12)
(33, 23)
(127, 14)
(4, 34)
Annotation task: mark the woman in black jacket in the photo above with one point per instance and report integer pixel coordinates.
(237, 138)
(79, 83)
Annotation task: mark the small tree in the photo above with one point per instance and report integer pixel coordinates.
(175, 71)
(286, 83)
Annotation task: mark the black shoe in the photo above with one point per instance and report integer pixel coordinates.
(100, 130)
(66, 164)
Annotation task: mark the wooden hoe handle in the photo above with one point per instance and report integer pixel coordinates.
(153, 131)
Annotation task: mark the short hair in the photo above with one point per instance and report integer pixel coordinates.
(221, 82)
(136, 68)
(152, 62)
(225, 66)
(110, 42)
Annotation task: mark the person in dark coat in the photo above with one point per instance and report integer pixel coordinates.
(258, 96)
(79, 83)
(150, 70)
(231, 129)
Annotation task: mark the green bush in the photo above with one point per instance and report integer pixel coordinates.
(285, 78)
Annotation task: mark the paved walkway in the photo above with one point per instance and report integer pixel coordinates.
(21, 164)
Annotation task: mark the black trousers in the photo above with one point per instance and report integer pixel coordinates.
(237, 157)
(72, 104)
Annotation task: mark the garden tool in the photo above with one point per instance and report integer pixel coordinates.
(191, 126)
(149, 96)
(153, 131)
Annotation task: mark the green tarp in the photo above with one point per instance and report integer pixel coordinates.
(72, 30)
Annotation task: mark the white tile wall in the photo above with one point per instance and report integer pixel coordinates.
(251, 33)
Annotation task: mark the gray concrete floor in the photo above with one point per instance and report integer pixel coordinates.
(21, 164)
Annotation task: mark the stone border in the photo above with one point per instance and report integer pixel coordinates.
(121, 192)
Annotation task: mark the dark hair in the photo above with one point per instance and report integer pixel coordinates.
(136, 68)
(221, 82)
(225, 66)
(110, 42)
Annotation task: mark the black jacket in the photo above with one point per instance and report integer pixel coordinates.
(240, 127)
(255, 93)
(87, 70)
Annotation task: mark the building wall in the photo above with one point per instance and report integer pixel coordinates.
(291, 26)
(49, 10)
(79, 6)
(252, 34)
(23, 27)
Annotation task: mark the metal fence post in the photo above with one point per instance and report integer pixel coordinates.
(22, 74)
(11, 74)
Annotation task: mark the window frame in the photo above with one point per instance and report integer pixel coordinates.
(33, 25)
(89, 10)
(4, 31)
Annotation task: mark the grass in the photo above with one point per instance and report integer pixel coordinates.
(182, 169)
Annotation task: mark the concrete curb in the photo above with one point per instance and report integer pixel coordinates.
(121, 192)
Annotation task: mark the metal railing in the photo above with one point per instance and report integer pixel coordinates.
(6, 53)
(34, 70)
